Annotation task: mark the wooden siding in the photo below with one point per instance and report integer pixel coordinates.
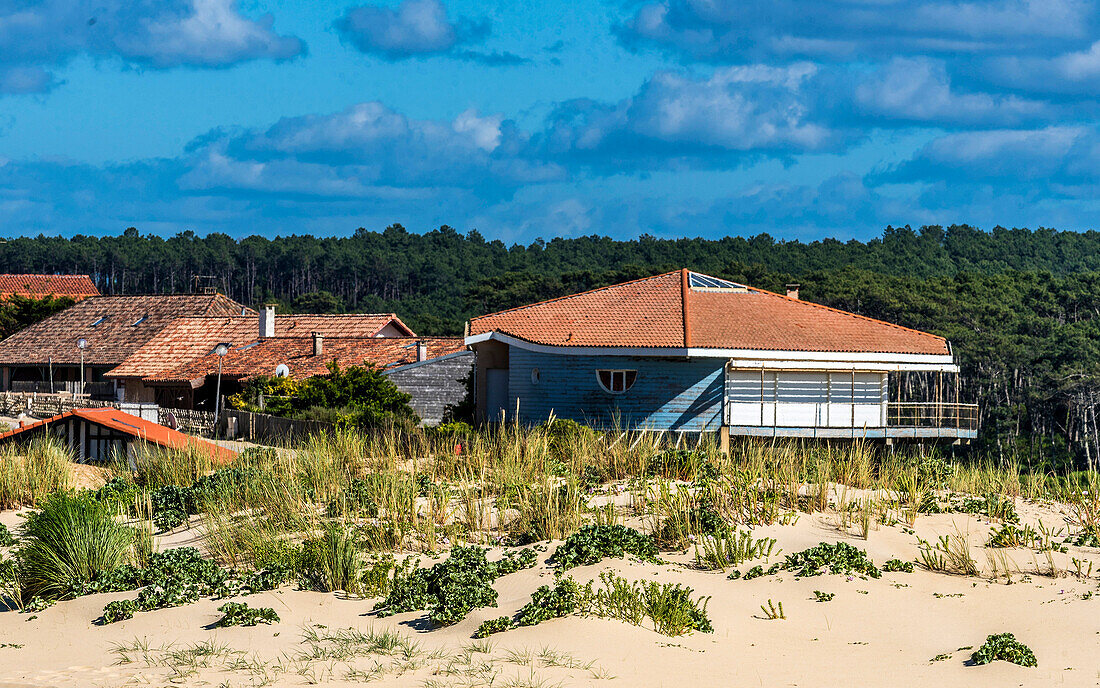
(436, 385)
(668, 394)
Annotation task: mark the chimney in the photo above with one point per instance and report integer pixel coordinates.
(792, 291)
(267, 321)
(421, 352)
(318, 343)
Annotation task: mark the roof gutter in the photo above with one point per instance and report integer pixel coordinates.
(749, 356)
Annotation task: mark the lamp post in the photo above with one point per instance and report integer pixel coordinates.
(221, 350)
(82, 344)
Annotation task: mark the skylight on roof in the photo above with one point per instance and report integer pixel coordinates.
(707, 283)
(100, 321)
(139, 321)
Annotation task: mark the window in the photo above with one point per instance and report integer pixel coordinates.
(139, 321)
(707, 283)
(100, 321)
(616, 381)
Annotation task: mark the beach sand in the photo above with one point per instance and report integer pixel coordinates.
(876, 632)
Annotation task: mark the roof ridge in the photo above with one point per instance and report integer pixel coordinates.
(685, 287)
(336, 315)
(848, 313)
(573, 296)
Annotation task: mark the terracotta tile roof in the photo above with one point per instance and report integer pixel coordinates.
(189, 339)
(38, 286)
(132, 425)
(644, 312)
(342, 325)
(114, 326)
(652, 312)
(260, 357)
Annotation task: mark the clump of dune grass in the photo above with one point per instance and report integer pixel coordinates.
(32, 471)
(69, 541)
(670, 608)
(334, 561)
(152, 465)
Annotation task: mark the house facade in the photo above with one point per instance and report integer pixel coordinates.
(179, 367)
(689, 353)
(46, 357)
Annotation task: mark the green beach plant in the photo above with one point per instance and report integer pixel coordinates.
(69, 541)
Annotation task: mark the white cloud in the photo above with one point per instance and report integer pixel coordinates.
(35, 38)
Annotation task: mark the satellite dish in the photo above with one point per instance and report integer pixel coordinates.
(282, 371)
(170, 420)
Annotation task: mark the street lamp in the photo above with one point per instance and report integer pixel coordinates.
(82, 344)
(221, 350)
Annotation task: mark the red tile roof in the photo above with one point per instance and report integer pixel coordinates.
(189, 339)
(39, 286)
(114, 326)
(667, 311)
(132, 425)
(262, 356)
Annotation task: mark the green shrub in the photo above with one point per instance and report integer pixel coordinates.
(240, 614)
(6, 539)
(551, 603)
(992, 504)
(118, 491)
(177, 577)
(824, 596)
(67, 543)
(450, 589)
(935, 472)
(592, 543)
(897, 565)
(171, 506)
(119, 610)
(1004, 646)
(1088, 537)
(491, 626)
(839, 558)
(515, 560)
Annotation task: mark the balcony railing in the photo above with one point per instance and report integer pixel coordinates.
(932, 415)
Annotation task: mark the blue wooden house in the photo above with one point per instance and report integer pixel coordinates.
(689, 353)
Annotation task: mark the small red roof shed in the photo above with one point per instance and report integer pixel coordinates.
(105, 428)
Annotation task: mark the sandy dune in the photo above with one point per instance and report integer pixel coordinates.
(882, 632)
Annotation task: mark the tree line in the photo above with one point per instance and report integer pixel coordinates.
(1020, 306)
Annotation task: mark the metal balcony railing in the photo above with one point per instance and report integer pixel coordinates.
(932, 415)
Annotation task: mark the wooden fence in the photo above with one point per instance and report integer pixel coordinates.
(239, 425)
(189, 421)
(265, 429)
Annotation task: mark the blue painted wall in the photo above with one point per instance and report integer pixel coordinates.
(669, 394)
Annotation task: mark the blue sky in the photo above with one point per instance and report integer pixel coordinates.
(538, 119)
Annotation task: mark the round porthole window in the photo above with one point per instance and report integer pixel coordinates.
(535, 376)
